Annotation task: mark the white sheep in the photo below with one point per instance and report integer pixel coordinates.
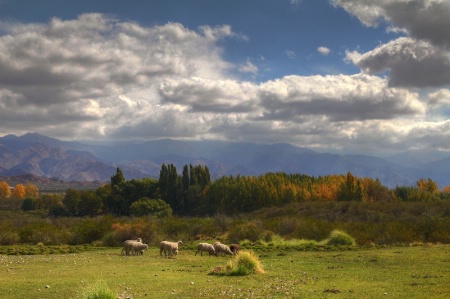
(205, 247)
(138, 248)
(222, 248)
(170, 248)
(126, 248)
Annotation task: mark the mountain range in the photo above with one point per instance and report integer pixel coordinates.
(42, 156)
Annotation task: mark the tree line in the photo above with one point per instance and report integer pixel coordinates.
(192, 193)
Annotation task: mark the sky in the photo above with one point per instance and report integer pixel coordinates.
(348, 76)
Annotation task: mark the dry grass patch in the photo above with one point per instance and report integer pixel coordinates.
(244, 263)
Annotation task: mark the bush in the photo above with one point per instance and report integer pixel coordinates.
(338, 237)
(29, 204)
(244, 263)
(248, 231)
(9, 236)
(146, 206)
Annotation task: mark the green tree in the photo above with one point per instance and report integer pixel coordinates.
(117, 178)
(71, 200)
(90, 204)
(146, 206)
(127, 192)
(29, 204)
(46, 201)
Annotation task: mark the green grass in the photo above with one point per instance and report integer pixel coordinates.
(394, 272)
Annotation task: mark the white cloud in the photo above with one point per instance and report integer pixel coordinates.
(338, 98)
(98, 77)
(422, 19)
(248, 67)
(410, 62)
(323, 50)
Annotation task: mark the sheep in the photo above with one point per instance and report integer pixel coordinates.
(205, 247)
(138, 248)
(222, 248)
(126, 247)
(170, 248)
(235, 248)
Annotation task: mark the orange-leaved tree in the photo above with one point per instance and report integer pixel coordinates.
(19, 191)
(5, 190)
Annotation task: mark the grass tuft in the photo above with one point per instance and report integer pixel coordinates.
(244, 263)
(338, 237)
(98, 290)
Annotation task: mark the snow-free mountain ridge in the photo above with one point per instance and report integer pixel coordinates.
(43, 156)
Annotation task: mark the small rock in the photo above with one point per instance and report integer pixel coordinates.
(47, 286)
(192, 282)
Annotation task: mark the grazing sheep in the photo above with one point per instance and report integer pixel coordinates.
(138, 248)
(126, 248)
(205, 247)
(170, 248)
(222, 248)
(235, 248)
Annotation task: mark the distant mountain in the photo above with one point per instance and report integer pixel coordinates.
(75, 161)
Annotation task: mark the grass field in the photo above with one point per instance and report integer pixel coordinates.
(394, 272)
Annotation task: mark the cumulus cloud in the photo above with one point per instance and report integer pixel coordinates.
(339, 98)
(75, 67)
(323, 50)
(99, 77)
(411, 63)
(423, 19)
(420, 60)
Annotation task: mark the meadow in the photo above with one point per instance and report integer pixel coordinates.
(323, 272)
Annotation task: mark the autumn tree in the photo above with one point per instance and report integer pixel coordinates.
(351, 189)
(32, 191)
(19, 191)
(428, 186)
(5, 190)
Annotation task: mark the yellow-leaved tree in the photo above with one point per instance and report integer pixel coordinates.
(32, 190)
(19, 191)
(5, 190)
(428, 186)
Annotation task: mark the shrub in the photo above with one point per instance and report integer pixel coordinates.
(248, 231)
(244, 263)
(9, 236)
(338, 237)
(155, 207)
(89, 230)
(29, 204)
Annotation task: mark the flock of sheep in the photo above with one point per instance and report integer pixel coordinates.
(136, 247)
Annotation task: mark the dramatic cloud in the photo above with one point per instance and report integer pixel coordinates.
(80, 67)
(411, 63)
(97, 77)
(423, 19)
(338, 98)
(420, 60)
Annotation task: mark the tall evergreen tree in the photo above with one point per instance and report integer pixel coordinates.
(117, 178)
